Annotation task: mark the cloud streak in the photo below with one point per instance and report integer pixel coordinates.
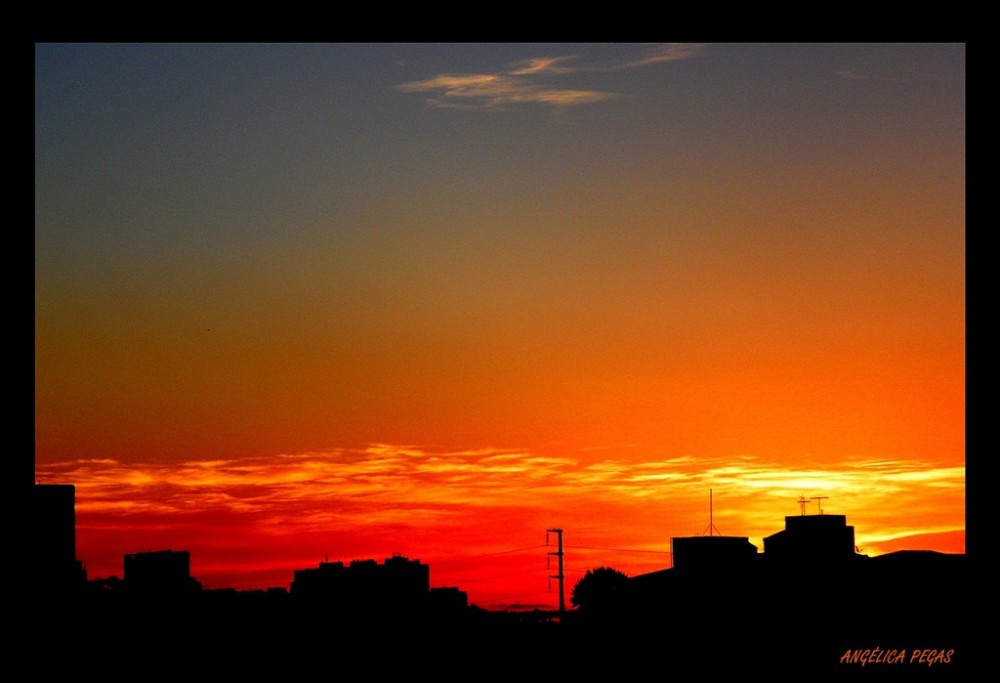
(671, 52)
(412, 477)
(534, 81)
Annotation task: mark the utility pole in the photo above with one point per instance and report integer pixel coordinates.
(560, 575)
(819, 502)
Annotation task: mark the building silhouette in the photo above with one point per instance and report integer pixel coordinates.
(448, 599)
(162, 572)
(711, 553)
(398, 584)
(812, 537)
(54, 567)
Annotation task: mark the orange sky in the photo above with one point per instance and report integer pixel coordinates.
(586, 283)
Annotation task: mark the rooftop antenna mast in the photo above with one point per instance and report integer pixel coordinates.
(819, 502)
(802, 504)
(711, 523)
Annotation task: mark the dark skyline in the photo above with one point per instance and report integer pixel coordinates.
(810, 542)
(744, 601)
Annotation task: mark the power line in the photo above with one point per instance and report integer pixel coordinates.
(501, 576)
(515, 596)
(620, 550)
(479, 557)
(522, 572)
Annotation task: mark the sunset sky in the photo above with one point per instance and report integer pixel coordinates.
(296, 302)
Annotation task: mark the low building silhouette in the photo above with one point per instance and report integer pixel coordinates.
(448, 599)
(161, 572)
(711, 553)
(812, 537)
(398, 584)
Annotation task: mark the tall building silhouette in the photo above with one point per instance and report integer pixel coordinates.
(54, 567)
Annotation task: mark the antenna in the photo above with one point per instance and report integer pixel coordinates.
(711, 523)
(802, 504)
(819, 502)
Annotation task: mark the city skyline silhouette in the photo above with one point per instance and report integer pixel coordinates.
(819, 536)
(814, 560)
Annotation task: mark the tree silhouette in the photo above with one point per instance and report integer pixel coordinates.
(599, 589)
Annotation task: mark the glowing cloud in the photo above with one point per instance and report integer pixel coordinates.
(520, 85)
(671, 52)
(489, 91)
(549, 65)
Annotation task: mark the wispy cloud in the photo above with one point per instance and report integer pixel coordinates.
(390, 476)
(497, 91)
(670, 52)
(534, 81)
(543, 65)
